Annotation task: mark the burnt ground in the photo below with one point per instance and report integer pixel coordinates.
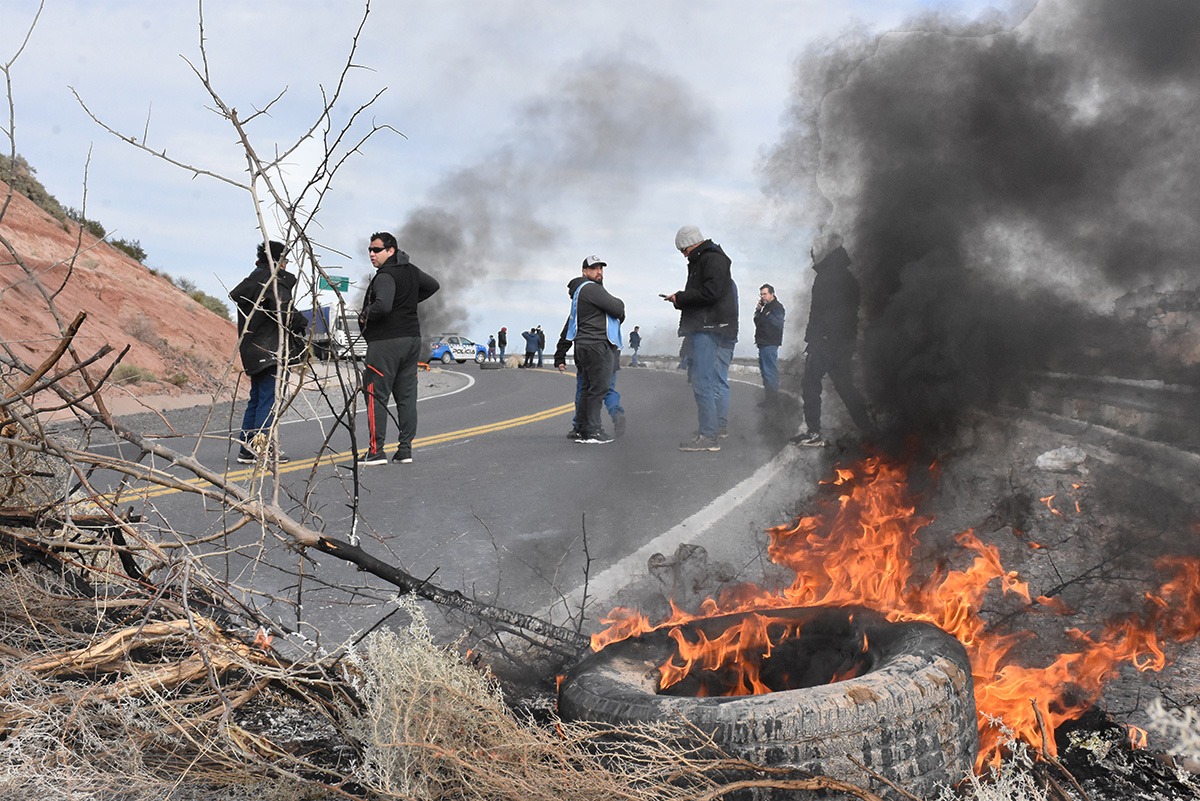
(1094, 546)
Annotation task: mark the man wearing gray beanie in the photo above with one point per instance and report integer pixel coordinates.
(708, 319)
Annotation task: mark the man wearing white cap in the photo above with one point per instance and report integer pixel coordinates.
(708, 319)
(594, 327)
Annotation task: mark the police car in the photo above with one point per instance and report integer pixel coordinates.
(451, 348)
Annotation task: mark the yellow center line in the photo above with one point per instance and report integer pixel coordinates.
(334, 458)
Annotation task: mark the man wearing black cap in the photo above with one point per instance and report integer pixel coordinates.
(594, 326)
(393, 334)
(708, 319)
(264, 301)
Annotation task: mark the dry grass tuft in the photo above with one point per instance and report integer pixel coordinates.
(433, 727)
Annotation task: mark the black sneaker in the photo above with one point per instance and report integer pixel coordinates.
(618, 426)
(601, 437)
(371, 459)
(403, 457)
(811, 439)
(246, 457)
(699, 443)
(575, 434)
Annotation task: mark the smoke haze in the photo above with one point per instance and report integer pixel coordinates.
(995, 188)
(604, 128)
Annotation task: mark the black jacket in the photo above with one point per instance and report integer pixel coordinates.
(390, 304)
(591, 320)
(833, 314)
(768, 324)
(708, 302)
(265, 307)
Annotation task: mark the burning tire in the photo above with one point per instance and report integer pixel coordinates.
(909, 715)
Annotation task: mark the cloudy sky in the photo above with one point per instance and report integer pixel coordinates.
(520, 136)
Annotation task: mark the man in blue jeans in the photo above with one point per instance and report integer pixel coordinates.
(768, 336)
(612, 403)
(265, 304)
(594, 328)
(708, 319)
(635, 342)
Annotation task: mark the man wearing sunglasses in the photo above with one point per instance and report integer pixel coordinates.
(393, 334)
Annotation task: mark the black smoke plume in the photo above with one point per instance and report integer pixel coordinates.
(604, 127)
(996, 188)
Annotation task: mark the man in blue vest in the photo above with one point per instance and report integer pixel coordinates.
(594, 326)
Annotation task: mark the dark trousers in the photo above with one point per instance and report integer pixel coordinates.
(594, 361)
(391, 371)
(819, 363)
(258, 416)
(529, 356)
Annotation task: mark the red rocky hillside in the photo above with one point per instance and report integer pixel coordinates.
(180, 346)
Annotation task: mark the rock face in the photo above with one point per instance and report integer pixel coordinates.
(1172, 318)
(184, 346)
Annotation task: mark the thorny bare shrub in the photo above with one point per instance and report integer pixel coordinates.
(112, 697)
(142, 329)
(122, 750)
(26, 478)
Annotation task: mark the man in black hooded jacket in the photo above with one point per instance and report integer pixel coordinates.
(393, 334)
(831, 336)
(264, 301)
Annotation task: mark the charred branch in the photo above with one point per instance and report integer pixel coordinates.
(504, 619)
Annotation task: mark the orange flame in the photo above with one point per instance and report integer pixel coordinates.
(1047, 500)
(859, 552)
(262, 639)
(1138, 738)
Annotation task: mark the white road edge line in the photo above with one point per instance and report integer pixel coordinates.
(605, 585)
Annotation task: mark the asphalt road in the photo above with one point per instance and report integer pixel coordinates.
(498, 502)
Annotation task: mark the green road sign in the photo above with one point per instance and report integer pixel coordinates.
(339, 282)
